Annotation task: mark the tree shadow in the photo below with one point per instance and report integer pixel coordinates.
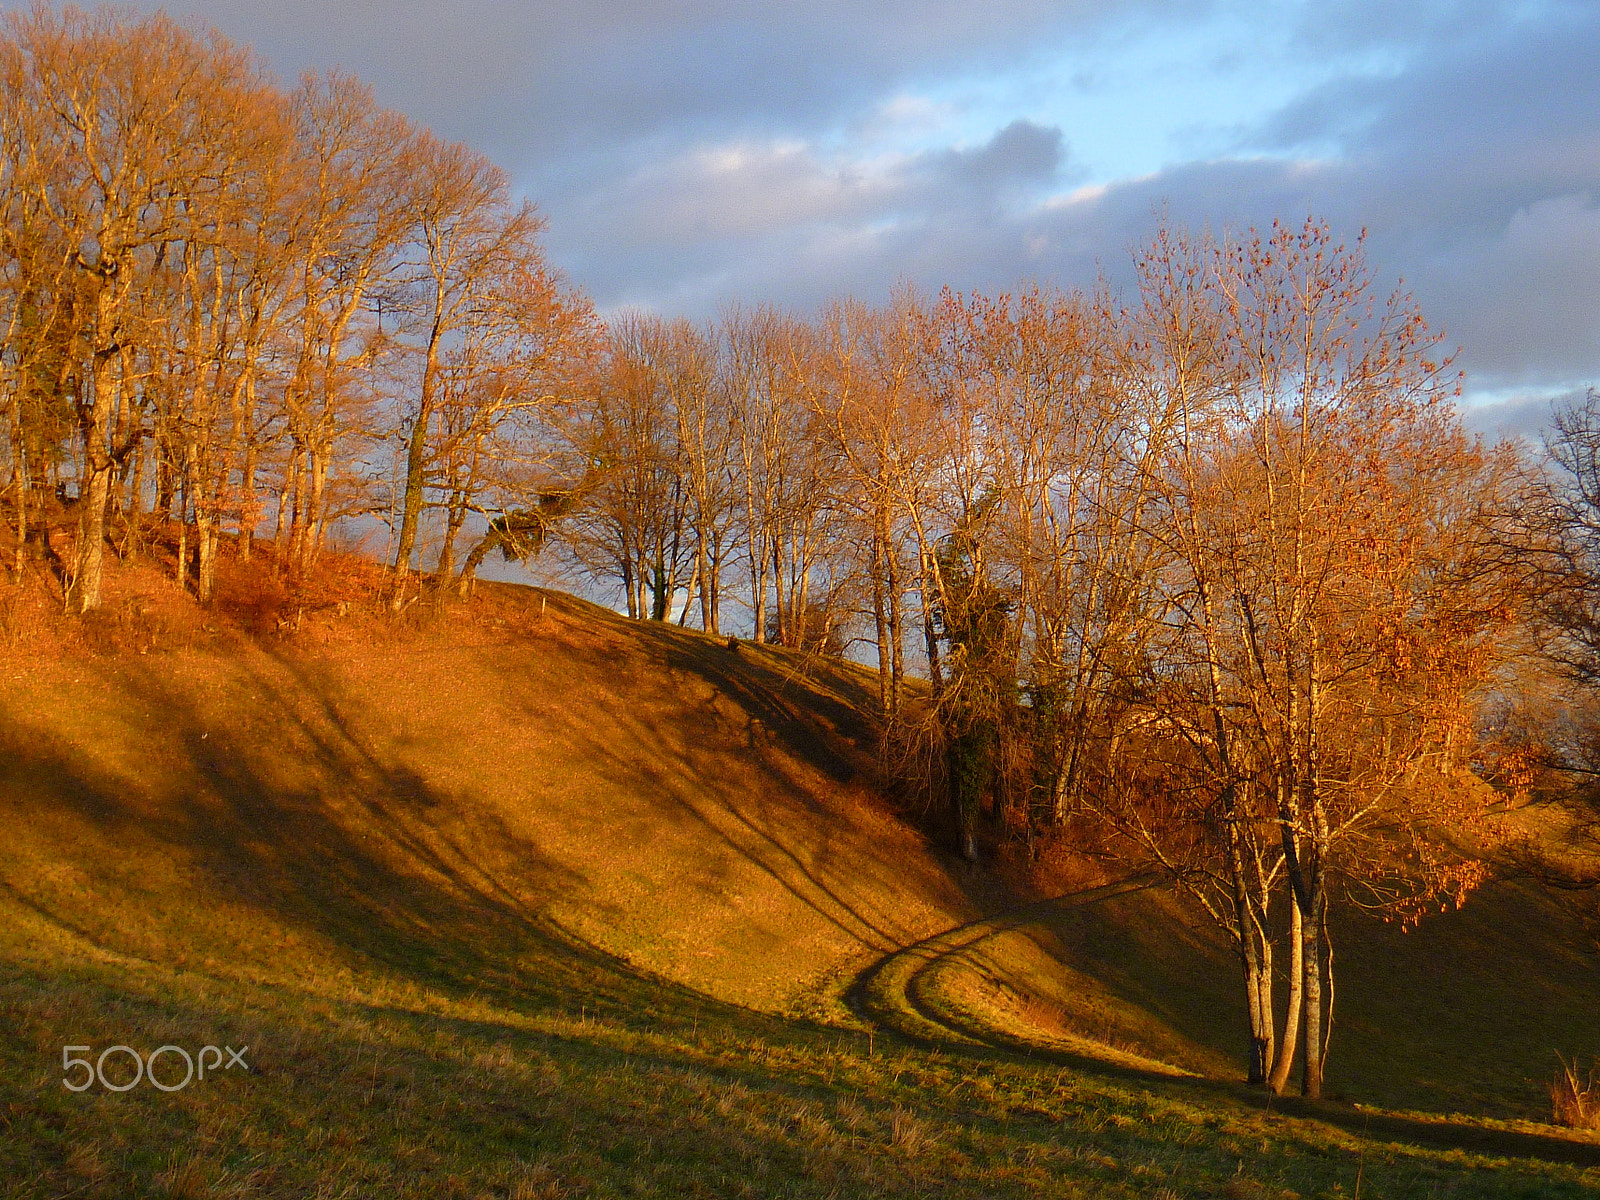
(756, 751)
(301, 820)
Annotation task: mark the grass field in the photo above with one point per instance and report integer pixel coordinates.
(524, 900)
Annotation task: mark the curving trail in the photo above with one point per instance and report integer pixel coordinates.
(896, 992)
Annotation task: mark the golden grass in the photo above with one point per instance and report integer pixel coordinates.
(688, 809)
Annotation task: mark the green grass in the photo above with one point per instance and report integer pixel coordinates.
(658, 1094)
(532, 902)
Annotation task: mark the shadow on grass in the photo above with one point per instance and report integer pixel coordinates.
(303, 822)
(342, 1095)
(746, 766)
(297, 814)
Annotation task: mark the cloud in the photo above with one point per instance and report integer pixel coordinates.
(789, 221)
(1474, 165)
(564, 76)
(1478, 168)
(1526, 300)
(1021, 152)
(690, 152)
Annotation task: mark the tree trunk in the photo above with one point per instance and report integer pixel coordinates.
(896, 607)
(94, 424)
(475, 556)
(1311, 970)
(299, 515)
(416, 460)
(19, 477)
(1290, 1042)
(133, 543)
(758, 585)
(205, 576)
(1254, 958)
(181, 570)
(249, 506)
(445, 568)
(291, 470)
(881, 624)
(702, 573)
(660, 588)
(1258, 985)
(715, 627)
(688, 595)
(930, 632)
(316, 510)
(166, 483)
(800, 595)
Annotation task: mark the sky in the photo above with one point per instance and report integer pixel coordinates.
(689, 154)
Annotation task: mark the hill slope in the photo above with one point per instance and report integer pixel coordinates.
(1464, 1015)
(527, 900)
(417, 797)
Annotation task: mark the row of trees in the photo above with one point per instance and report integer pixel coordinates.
(1214, 571)
(1544, 726)
(1218, 571)
(214, 292)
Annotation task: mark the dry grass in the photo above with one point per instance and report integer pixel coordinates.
(692, 810)
(1575, 1097)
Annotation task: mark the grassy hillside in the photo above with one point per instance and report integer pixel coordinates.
(522, 899)
(692, 809)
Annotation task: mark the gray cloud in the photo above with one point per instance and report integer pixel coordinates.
(1529, 420)
(557, 76)
(781, 220)
(1417, 26)
(1478, 168)
(1022, 151)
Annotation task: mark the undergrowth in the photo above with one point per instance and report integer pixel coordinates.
(1575, 1097)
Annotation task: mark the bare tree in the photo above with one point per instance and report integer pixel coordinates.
(636, 527)
(1332, 593)
(348, 222)
(785, 490)
(524, 358)
(465, 229)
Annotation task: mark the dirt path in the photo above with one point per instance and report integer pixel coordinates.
(894, 992)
